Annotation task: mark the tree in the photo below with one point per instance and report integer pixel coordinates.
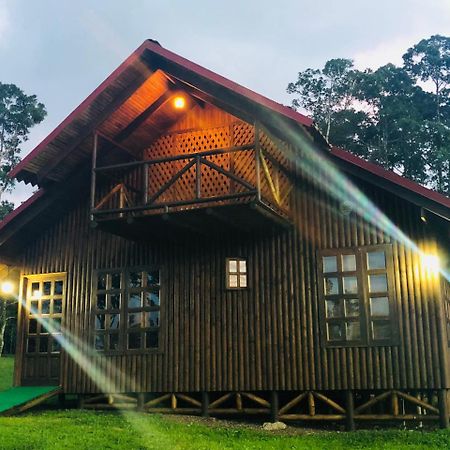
(429, 61)
(18, 113)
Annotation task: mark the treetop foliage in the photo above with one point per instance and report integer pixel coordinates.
(386, 115)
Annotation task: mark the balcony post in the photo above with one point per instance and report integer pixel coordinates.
(145, 187)
(93, 174)
(257, 162)
(198, 177)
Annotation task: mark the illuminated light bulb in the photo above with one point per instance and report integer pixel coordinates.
(431, 263)
(179, 102)
(7, 287)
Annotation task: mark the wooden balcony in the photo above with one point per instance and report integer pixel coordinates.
(245, 188)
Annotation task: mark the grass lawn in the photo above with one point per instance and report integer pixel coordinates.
(72, 429)
(6, 372)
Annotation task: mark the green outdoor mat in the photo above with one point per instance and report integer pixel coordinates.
(18, 396)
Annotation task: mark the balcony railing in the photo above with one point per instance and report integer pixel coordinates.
(234, 175)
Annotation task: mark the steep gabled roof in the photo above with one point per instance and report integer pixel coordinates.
(64, 145)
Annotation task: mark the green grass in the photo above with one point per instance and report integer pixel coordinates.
(6, 372)
(99, 430)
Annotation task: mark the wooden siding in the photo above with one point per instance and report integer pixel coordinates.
(265, 337)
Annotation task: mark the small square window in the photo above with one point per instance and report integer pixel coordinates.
(114, 341)
(348, 263)
(57, 306)
(352, 307)
(350, 285)
(45, 307)
(151, 299)
(331, 286)
(134, 341)
(333, 308)
(101, 301)
(352, 331)
(47, 288)
(135, 279)
(236, 273)
(379, 306)
(335, 331)
(381, 330)
(151, 339)
(31, 345)
(114, 321)
(376, 260)
(58, 287)
(100, 342)
(378, 283)
(115, 280)
(100, 322)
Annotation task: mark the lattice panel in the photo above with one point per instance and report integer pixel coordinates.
(202, 140)
(243, 134)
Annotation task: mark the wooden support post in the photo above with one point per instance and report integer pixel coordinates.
(205, 404)
(257, 162)
(274, 406)
(198, 177)
(349, 411)
(93, 173)
(140, 401)
(443, 408)
(145, 187)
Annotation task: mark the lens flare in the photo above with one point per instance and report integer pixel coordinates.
(7, 287)
(179, 102)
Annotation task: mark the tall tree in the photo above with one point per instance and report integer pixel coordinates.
(429, 61)
(18, 113)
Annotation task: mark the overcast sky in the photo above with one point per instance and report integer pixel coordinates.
(61, 50)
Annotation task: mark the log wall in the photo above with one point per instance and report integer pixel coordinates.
(268, 336)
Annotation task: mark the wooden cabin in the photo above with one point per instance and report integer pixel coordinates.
(196, 247)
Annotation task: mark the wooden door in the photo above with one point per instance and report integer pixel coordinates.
(42, 320)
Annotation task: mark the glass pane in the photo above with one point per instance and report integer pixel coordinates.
(329, 264)
(335, 331)
(32, 326)
(35, 288)
(115, 280)
(100, 322)
(135, 279)
(333, 308)
(379, 306)
(350, 285)
(243, 280)
(348, 263)
(45, 307)
(45, 325)
(151, 299)
(134, 300)
(153, 277)
(101, 301)
(57, 306)
(47, 288)
(331, 286)
(233, 280)
(114, 321)
(152, 319)
(381, 330)
(34, 307)
(114, 301)
(31, 345)
(114, 341)
(377, 283)
(151, 339)
(376, 260)
(352, 307)
(58, 287)
(101, 281)
(243, 266)
(134, 320)
(353, 331)
(56, 325)
(99, 342)
(43, 344)
(232, 266)
(56, 346)
(134, 341)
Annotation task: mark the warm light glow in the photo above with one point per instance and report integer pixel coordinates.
(430, 263)
(179, 102)
(7, 287)
(37, 294)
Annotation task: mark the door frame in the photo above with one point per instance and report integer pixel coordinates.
(22, 319)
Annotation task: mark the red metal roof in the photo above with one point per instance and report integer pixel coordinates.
(391, 176)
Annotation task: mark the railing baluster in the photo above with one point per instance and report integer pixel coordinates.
(145, 187)
(93, 174)
(198, 177)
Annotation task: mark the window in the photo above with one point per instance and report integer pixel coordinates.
(356, 295)
(236, 273)
(127, 310)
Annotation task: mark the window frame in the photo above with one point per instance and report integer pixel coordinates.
(362, 273)
(238, 259)
(124, 310)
